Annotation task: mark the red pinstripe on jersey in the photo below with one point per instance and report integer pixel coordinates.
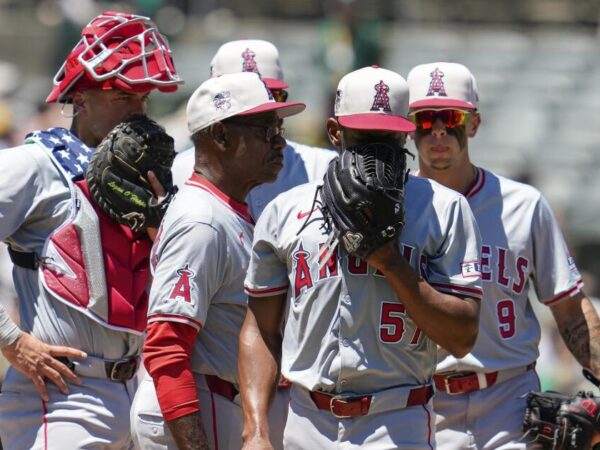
(455, 288)
(174, 318)
(45, 424)
(567, 293)
(266, 292)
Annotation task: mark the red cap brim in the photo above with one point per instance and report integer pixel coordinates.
(385, 122)
(273, 83)
(439, 102)
(283, 109)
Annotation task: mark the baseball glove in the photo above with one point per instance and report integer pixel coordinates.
(363, 196)
(561, 422)
(116, 175)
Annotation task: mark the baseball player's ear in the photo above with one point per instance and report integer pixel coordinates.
(219, 134)
(79, 101)
(474, 124)
(334, 132)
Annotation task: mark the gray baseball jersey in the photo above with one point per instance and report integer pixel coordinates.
(346, 330)
(301, 164)
(9, 331)
(200, 259)
(35, 199)
(521, 244)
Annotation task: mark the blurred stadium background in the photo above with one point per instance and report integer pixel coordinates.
(536, 62)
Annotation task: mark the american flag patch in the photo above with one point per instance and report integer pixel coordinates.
(470, 269)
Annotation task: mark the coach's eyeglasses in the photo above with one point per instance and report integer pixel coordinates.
(451, 118)
(280, 95)
(270, 130)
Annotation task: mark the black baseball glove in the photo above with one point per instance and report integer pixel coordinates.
(116, 175)
(561, 422)
(363, 196)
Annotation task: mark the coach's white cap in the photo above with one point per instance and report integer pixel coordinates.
(442, 85)
(231, 95)
(373, 98)
(249, 55)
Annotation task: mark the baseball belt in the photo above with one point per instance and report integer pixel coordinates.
(346, 406)
(454, 383)
(120, 371)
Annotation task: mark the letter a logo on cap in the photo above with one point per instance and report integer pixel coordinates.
(437, 84)
(249, 64)
(382, 100)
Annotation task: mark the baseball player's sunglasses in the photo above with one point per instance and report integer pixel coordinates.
(280, 95)
(451, 118)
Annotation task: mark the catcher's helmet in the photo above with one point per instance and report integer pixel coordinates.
(117, 51)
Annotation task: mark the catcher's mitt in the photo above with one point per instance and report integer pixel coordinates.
(561, 422)
(116, 175)
(363, 196)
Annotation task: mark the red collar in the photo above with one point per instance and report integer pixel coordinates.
(241, 209)
(477, 184)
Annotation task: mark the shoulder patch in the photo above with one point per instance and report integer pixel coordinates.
(182, 291)
(470, 269)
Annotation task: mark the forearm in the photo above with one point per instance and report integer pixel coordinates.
(579, 327)
(9, 331)
(259, 372)
(429, 309)
(188, 432)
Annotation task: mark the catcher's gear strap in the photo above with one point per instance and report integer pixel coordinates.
(27, 260)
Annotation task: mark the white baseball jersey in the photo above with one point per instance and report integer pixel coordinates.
(200, 258)
(346, 330)
(521, 244)
(301, 164)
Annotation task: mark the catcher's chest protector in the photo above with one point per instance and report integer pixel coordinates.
(92, 263)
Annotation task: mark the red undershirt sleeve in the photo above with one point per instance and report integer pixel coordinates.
(167, 358)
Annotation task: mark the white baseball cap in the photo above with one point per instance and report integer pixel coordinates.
(442, 85)
(249, 55)
(373, 98)
(235, 94)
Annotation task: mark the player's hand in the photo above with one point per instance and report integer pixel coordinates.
(159, 193)
(386, 256)
(257, 443)
(36, 360)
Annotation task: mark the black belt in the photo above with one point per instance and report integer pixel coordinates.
(122, 370)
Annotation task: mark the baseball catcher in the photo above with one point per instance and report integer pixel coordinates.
(363, 195)
(556, 421)
(117, 173)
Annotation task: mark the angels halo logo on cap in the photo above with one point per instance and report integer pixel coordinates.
(241, 93)
(442, 85)
(249, 55)
(373, 98)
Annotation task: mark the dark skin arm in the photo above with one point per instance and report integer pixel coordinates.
(188, 432)
(579, 326)
(259, 366)
(427, 307)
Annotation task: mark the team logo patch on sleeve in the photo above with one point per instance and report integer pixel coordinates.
(470, 269)
(572, 266)
(183, 286)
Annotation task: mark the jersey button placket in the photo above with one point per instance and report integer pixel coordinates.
(346, 345)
